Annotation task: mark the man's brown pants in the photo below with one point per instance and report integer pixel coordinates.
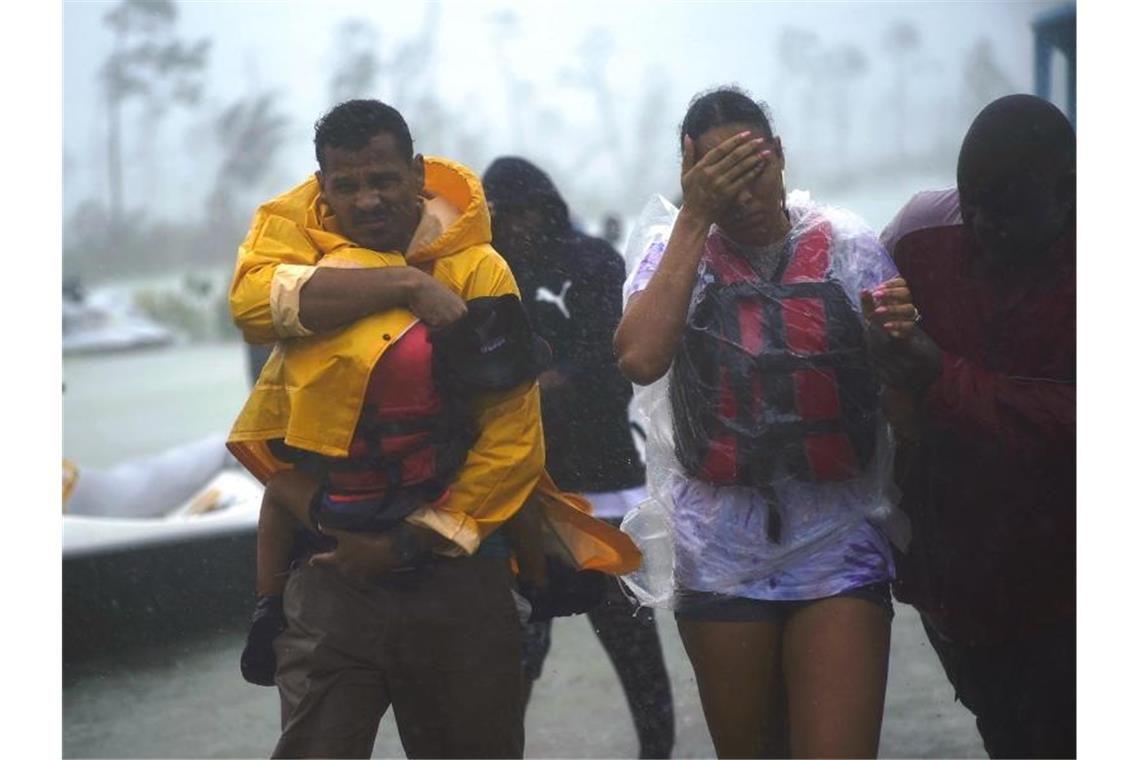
(440, 644)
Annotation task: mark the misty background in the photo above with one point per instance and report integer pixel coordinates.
(181, 117)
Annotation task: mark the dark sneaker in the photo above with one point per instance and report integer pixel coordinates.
(258, 660)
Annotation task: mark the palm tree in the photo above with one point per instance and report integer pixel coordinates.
(147, 63)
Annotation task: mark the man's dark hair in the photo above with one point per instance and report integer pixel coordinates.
(724, 105)
(353, 123)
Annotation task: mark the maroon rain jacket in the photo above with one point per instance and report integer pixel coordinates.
(990, 484)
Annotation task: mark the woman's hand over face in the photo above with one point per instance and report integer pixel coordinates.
(711, 184)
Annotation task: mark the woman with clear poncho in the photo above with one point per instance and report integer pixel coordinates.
(768, 454)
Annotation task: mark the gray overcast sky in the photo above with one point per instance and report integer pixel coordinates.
(288, 45)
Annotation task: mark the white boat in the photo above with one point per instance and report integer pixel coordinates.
(158, 548)
(229, 503)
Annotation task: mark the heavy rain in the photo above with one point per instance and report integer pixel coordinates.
(181, 119)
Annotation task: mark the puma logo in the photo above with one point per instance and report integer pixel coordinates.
(544, 294)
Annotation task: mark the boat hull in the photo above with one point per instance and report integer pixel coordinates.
(156, 593)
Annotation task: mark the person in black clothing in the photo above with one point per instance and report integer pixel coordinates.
(571, 288)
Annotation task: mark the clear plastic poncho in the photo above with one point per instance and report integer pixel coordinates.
(781, 448)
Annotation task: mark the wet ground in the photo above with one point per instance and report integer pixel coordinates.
(187, 700)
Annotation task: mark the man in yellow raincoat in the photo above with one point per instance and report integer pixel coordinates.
(335, 271)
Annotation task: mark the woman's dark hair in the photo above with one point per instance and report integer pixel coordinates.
(353, 123)
(724, 105)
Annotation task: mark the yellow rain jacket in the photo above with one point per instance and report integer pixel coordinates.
(311, 390)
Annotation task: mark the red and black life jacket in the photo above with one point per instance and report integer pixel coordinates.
(771, 378)
(409, 442)
(417, 422)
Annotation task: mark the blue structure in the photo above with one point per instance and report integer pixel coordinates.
(1056, 30)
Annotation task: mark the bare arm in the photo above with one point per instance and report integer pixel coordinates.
(333, 298)
(360, 556)
(650, 331)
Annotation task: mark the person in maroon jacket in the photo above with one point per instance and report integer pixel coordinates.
(983, 399)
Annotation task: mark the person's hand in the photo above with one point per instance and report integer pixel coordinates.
(721, 176)
(432, 302)
(363, 557)
(890, 307)
(910, 363)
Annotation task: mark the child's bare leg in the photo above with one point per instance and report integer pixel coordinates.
(274, 545)
(284, 506)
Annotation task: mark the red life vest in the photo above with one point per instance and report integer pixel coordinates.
(771, 378)
(409, 442)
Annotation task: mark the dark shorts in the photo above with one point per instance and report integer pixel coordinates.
(706, 605)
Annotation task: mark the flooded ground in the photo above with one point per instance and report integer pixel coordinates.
(189, 701)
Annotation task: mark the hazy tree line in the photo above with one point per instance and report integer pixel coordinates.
(153, 69)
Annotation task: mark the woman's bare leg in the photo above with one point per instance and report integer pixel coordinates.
(741, 685)
(835, 667)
